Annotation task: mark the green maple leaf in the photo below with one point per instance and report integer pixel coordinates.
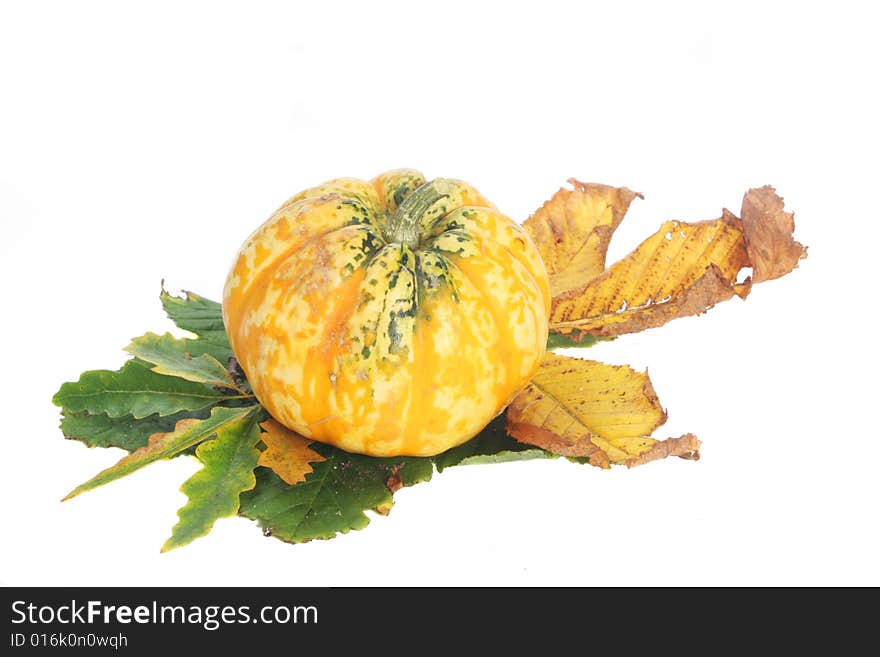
(228, 470)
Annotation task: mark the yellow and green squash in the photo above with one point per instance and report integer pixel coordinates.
(389, 317)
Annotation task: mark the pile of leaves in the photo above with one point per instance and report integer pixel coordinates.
(187, 395)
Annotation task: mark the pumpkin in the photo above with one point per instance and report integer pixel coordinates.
(390, 317)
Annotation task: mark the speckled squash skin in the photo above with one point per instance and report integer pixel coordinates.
(390, 317)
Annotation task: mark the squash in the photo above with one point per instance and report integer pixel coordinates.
(390, 317)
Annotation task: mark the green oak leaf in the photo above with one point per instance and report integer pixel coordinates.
(203, 317)
(186, 434)
(491, 445)
(173, 357)
(228, 470)
(125, 432)
(332, 499)
(135, 390)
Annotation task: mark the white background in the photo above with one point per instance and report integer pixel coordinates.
(141, 141)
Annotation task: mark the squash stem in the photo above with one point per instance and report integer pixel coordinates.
(404, 226)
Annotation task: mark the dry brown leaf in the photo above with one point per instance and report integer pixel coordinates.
(587, 409)
(287, 453)
(580, 408)
(769, 235)
(572, 231)
(684, 447)
(683, 269)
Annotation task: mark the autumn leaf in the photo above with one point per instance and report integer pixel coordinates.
(582, 408)
(287, 453)
(186, 433)
(572, 231)
(769, 231)
(685, 447)
(228, 470)
(173, 357)
(683, 269)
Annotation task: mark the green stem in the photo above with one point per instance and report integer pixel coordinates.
(403, 227)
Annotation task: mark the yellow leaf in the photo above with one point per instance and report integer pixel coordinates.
(684, 447)
(572, 231)
(287, 453)
(683, 269)
(583, 408)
